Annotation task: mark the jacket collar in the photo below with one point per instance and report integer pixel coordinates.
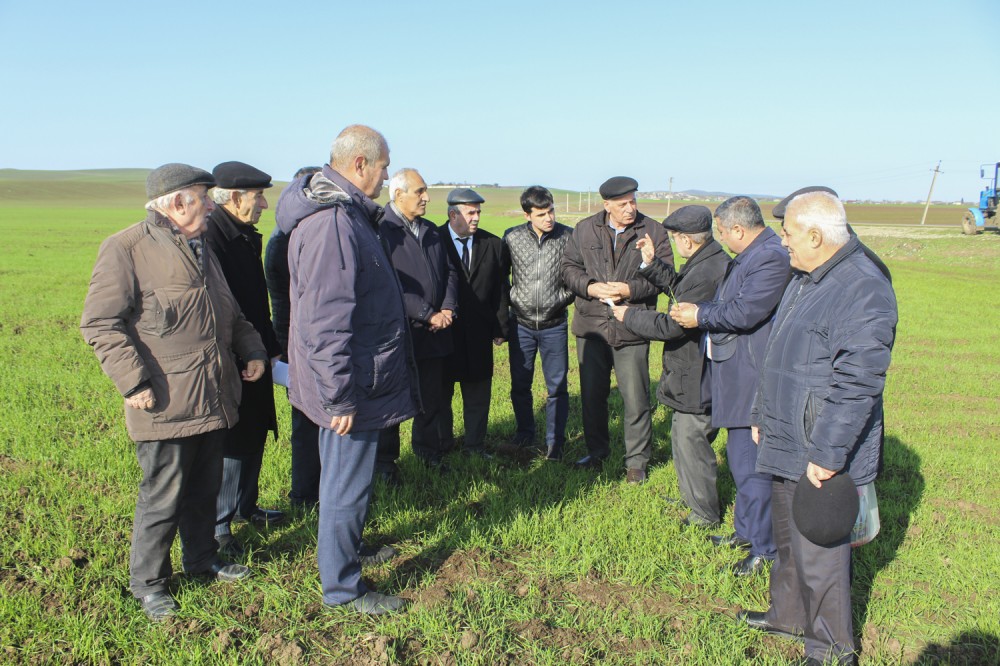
(850, 247)
(758, 242)
(709, 249)
(229, 226)
(371, 209)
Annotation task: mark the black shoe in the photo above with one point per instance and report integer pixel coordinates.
(750, 565)
(436, 464)
(694, 520)
(230, 546)
(158, 606)
(635, 476)
(590, 462)
(389, 474)
(757, 620)
(372, 555)
(267, 517)
(374, 603)
(730, 541)
(554, 452)
(226, 572)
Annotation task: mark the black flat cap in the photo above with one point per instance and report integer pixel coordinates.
(464, 195)
(240, 176)
(175, 176)
(826, 515)
(779, 210)
(618, 186)
(689, 220)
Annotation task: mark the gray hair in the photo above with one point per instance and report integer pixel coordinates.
(356, 140)
(740, 210)
(162, 203)
(400, 181)
(699, 237)
(221, 195)
(824, 212)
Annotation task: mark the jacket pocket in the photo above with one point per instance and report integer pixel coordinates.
(160, 313)
(381, 370)
(182, 387)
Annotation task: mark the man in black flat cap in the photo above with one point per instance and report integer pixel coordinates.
(239, 198)
(818, 414)
(601, 266)
(167, 331)
(481, 324)
(681, 384)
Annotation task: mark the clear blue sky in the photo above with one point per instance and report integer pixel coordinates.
(753, 97)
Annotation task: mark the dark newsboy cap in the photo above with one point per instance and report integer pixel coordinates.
(464, 195)
(618, 186)
(240, 176)
(174, 176)
(689, 220)
(779, 211)
(826, 515)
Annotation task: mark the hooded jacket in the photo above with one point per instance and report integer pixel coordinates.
(348, 345)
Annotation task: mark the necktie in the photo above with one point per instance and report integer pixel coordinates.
(465, 252)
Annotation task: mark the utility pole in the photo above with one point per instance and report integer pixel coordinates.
(670, 195)
(937, 170)
(579, 201)
(588, 202)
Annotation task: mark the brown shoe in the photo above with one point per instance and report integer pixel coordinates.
(635, 476)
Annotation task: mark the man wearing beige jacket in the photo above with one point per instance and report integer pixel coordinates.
(165, 328)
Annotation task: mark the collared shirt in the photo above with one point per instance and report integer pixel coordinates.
(457, 241)
(411, 225)
(196, 244)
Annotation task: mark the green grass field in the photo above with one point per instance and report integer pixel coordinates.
(506, 562)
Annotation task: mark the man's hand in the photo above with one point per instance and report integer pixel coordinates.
(619, 312)
(144, 399)
(499, 341)
(645, 247)
(622, 290)
(342, 424)
(685, 314)
(602, 290)
(253, 372)
(817, 475)
(755, 434)
(440, 320)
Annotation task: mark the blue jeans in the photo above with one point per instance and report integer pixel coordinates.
(345, 487)
(552, 345)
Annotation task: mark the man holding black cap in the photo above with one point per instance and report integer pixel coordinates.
(479, 260)
(681, 384)
(167, 331)
(818, 414)
(601, 266)
(239, 199)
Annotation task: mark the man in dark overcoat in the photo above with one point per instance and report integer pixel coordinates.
(430, 296)
(601, 266)
(683, 383)
(480, 263)
(232, 236)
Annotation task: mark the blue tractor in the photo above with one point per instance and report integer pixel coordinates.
(985, 217)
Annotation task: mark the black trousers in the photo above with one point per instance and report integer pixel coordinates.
(242, 459)
(306, 464)
(180, 481)
(426, 436)
(810, 584)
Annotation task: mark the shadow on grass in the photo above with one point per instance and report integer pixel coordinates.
(969, 648)
(900, 487)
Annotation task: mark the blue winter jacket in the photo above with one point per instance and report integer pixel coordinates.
(738, 321)
(348, 342)
(819, 398)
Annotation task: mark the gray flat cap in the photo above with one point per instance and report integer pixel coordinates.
(240, 176)
(689, 220)
(464, 195)
(779, 210)
(175, 176)
(618, 186)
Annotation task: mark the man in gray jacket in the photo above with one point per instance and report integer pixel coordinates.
(538, 302)
(167, 331)
(818, 413)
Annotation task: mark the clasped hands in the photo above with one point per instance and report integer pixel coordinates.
(441, 320)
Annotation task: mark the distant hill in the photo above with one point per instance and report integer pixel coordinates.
(696, 195)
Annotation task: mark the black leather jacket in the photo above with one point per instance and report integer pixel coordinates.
(538, 297)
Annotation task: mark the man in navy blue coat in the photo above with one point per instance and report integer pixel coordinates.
(737, 323)
(430, 298)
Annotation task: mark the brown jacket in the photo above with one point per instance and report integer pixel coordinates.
(154, 317)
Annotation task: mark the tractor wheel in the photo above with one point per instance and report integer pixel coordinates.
(969, 224)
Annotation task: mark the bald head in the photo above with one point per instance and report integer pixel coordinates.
(361, 155)
(814, 228)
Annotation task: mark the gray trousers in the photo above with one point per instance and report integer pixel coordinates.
(691, 437)
(810, 584)
(631, 365)
(180, 481)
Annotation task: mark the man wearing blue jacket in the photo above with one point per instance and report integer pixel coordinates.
(818, 413)
(350, 370)
(737, 322)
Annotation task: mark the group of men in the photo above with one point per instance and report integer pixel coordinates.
(378, 313)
